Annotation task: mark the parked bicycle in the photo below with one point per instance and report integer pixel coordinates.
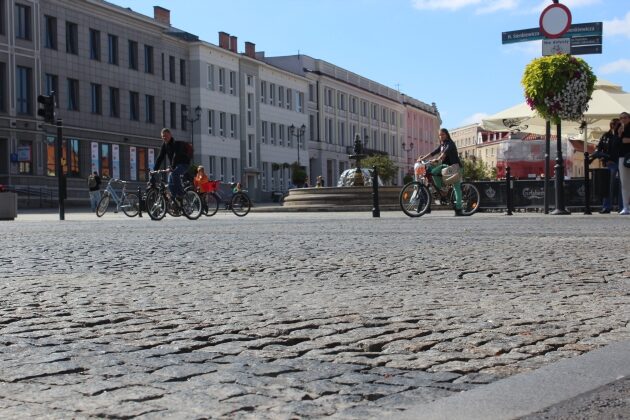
(212, 197)
(128, 202)
(416, 196)
(159, 200)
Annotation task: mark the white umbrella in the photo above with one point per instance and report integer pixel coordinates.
(608, 101)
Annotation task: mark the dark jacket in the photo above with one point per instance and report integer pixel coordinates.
(450, 150)
(176, 153)
(606, 147)
(98, 183)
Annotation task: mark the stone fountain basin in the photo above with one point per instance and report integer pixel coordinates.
(342, 198)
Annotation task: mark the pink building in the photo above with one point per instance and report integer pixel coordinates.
(423, 124)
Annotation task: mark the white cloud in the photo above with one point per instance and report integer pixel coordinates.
(491, 6)
(618, 26)
(619, 66)
(571, 4)
(495, 6)
(474, 119)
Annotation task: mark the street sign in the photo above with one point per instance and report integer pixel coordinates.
(556, 46)
(586, 49)
(555, 20)
(585, 40)
(534, 34)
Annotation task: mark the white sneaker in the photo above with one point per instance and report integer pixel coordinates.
(624, 211)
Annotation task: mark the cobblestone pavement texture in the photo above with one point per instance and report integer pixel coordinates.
(296, 315)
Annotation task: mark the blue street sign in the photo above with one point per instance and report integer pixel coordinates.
(534, 34)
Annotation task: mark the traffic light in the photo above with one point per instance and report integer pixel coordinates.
(47, 109)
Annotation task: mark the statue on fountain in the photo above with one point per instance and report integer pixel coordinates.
(357, 156)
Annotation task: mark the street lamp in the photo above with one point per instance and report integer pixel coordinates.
(192, 121)
(298, 135)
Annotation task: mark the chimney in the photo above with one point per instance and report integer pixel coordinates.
(224, 40)
(250, 49)
(162, 15)
(233, 41)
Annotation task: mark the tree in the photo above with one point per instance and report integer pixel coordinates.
(384, 165)
(475, 170)
(298, 175)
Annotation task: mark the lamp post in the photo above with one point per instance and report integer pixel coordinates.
(192, 121)
(299, 134)
(407, 148)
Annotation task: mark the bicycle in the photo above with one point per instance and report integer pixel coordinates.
(128, 202)
(416, 196)
(239, 203)
(159, 201)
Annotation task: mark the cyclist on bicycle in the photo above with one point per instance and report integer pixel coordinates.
(178, 156)
(447, 151)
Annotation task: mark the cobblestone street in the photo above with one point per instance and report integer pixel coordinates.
(284, 315)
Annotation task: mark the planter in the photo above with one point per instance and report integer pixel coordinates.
(8, 205)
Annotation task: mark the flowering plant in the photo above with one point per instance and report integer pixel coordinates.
(559, 87)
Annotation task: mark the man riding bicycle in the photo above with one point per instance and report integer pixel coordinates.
(178, 156)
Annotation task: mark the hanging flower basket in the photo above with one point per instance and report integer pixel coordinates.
(559, 87)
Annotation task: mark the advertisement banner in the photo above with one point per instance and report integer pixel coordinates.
(95, 160)
(151, 158)
(133, 167)
(116, 161)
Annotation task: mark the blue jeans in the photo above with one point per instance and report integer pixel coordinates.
(607, 203)
(95, 197)
(175, 180)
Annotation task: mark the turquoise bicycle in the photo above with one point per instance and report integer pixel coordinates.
(128, 202)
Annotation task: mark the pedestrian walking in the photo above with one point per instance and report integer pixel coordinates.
(608, 154)
(94, 187)
(623, 144)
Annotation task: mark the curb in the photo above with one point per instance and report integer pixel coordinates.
(531, 392)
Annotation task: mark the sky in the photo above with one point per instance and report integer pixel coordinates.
(443, 51)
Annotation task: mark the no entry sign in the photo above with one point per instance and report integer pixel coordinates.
(555, 20)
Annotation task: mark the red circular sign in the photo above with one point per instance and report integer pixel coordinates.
(555, 20)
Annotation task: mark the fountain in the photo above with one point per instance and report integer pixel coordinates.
(352, 193)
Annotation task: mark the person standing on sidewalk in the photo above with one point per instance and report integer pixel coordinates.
(94, 187)
(447, 151)
(606, 151)
(623, 143)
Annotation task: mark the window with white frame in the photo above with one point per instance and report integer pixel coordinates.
(232, 83)
(233, 169)
(393, 118)
(222, 169)
(250, 103)
(263, 176)
(221, 80)
(263, 132)
(311, 92)
(280, 96)
(374, 111)
(342, 133)
(328, 97)
(281, 131)
(272, 133)
(211, 122)
(272, 93)
(364, 108)
(222, 124)
(353, 105)
(300, 102)
(263, 91)
(210, 76)
(233, 126)
(341, 101)
(289, 98)
(250, 150)
(212, 164)
(250, 80)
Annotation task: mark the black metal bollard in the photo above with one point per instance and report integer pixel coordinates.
(587, 185)
(376, 211)
(508, 190)
(140, 202)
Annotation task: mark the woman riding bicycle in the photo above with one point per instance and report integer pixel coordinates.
(200, 178)
(447, 151)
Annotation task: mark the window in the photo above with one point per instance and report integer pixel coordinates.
(353, 105)
(300, 102)
(272, 133)
(71, 153)
(234, 169)
(221, 80)
(374, 111)
(263, 91)
(149, 108)
(280, 96)
(24, 87)
(183, 111)
(211, 121)
(311, 92)
(341, 101)
(182, 72)
(73, 94)
(265, 170)
(211, 76)
(51, 84)
(363, 109)
(105, 160)
(328, 97)
(112, 49)
(250, 101)
(233, 125)
(3, 85)
(163, 70)
(289, 94)
(263, 132)
(72, 38)
(95, 45)
(250, 151)
(171, 69)
(342, 133)
(133, 55)
(22, 22)
(173, 113)
(50, 32)
(232, 83)
(212, 164)
(114, 102)
(148, 59)
(272, 93)
(222, 124)
(281, 131)
(250, 80)
(96, 98)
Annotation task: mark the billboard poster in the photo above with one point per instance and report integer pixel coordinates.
(116, 161)
(151, 158)
(133, 167)
(95, 167)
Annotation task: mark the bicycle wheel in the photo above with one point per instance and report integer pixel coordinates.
(191, 205)
(156, 205)
(103, 204)
(414, 199)
(470, 198)
(130, 205)
(211, 204)
(240, 204)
